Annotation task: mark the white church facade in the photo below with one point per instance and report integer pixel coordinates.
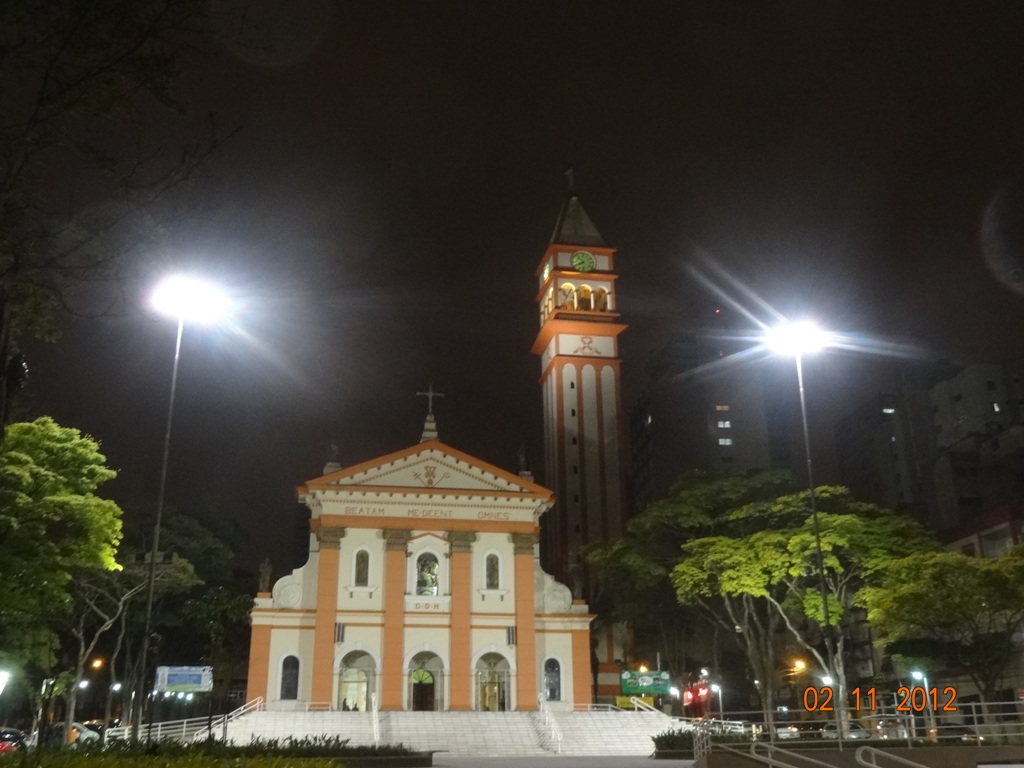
(423, 591)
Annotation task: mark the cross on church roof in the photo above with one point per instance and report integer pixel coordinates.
(430, 394)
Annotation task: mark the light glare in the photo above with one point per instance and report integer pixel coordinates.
(185, 298)
(797, 338)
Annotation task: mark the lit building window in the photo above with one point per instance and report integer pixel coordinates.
(888, 410)
(725, 441)
(721, 407)
(725, 425)
(995, 407)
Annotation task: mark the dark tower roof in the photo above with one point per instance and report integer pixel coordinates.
(574, 226)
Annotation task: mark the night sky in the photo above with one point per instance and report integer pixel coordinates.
(398, 171)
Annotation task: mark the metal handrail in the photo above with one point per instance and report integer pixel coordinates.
(643, 705)
(774, 750)
(375, 708)
(182, 730)
(549, 722)
(863, 753)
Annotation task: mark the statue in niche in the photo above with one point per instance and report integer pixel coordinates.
(264, 582)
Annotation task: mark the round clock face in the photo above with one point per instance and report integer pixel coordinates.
(582, 261)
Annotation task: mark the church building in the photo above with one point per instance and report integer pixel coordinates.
(423, 591)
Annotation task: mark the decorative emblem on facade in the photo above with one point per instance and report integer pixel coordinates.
(586, 347)
(429, 476)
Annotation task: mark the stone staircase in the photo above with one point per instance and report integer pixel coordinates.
(469, 734)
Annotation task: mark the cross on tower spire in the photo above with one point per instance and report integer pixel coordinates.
(429, 426)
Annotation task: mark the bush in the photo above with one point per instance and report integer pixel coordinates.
(678, 740)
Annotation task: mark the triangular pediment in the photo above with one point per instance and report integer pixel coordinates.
(429, 467)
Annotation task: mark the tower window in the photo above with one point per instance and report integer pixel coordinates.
(725, 425)
(725, 441)
(721, 407)
(572, 412)
(995, 407)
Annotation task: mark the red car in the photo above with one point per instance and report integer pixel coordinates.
(11, 740)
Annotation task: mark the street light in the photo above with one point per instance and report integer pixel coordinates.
(4, 677)
(798, 339)
(929, 713)
(183, 298)
(716, 688)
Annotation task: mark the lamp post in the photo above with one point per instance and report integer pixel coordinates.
(929, 713)
(798, 339)
(182, 298)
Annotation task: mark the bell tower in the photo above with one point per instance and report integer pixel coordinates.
(580, 369)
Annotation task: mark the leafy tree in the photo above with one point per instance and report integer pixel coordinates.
(634, 572)
(769, 563)
(84, 176)
(51, 523)
(963, 613)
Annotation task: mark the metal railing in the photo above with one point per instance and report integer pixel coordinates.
(375, 708)
(184, 730)
(869, 757)
(968, 724)
(640, 704)
(550, 723)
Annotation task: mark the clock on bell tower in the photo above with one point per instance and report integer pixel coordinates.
(578, 345)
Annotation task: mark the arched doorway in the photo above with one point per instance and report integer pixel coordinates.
(426, 683)
(492, 683)
(358, 681)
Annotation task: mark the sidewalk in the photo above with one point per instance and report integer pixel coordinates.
(556, 761)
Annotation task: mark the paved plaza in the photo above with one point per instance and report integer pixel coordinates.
(557, 761)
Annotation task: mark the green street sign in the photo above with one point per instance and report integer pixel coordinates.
(652, 683)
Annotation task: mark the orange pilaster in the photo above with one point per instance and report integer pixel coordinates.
(581, 676)
(526, 623)
(259, 662)
(326, 615)
(396, 552)
(461, 686)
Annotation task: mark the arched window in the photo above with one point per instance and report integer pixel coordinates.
(290, 678)
(600, 300)
(362, 568)
(552, 680)
(492, 572)
(426, 574)
(583, 298)
(567, 296)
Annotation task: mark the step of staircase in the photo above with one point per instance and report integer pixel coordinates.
(468, 734)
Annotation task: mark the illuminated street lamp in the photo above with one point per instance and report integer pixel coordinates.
(798, 339)
(183, 298)
(4, 677)
(716, 688)
(929, 713)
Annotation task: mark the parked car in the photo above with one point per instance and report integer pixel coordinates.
(11, 740)
(54, 736)
(959, 733)
(852, 731)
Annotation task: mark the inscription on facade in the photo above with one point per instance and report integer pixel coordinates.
(439, 514)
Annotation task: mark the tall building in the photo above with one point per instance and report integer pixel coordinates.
(578, 344)
(946, 444)
(708, 408)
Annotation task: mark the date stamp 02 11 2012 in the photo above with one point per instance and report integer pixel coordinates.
(915, 699)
